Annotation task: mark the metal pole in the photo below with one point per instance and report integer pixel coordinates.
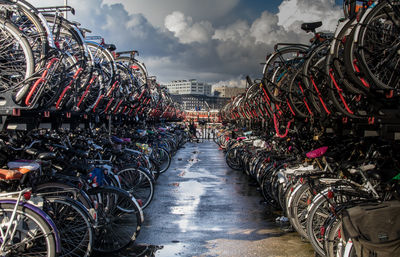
(65, 5)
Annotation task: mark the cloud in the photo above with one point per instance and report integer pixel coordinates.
(186, 31)
(204, 40)
(238, 81)
(294, 12)
(155, 11)
(238, 31)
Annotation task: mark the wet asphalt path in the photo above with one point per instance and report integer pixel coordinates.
(203, 208)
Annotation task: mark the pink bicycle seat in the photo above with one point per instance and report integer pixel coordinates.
(126, 140)
(317, 152)
(241, 138)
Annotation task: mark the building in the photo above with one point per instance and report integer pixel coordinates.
(186, 87)
(224, 91)
(200, 102)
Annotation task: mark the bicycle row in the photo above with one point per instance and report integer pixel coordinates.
(50, 63)
(313, 133)
(347, 75)
(316, 190)
(69, 193)
(70, 186)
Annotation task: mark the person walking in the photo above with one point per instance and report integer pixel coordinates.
(192, 129)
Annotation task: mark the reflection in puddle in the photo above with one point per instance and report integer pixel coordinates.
(187, 203)
(175, 249)
(137, 250)
(202, 173)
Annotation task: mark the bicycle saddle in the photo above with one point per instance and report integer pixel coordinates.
(23, 166)
(311, 26)
(317, 152)
(110, 47)
(46, 156)
(241, 138)
(126, 140)
(116, 140)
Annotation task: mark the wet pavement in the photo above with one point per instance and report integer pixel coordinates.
(203, 208)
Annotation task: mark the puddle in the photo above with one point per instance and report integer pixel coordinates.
(137, 250)
(175, 249)
(188, 200)
(203, 173)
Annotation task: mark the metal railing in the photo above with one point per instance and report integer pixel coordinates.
(208, 131)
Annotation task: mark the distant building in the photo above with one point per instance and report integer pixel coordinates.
(224, 91)
(200, 102)
(186, 87)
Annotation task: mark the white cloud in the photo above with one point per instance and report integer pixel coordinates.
(266, 29)
(187, 31)
(294, 12)
(235, 82)
(238, 31)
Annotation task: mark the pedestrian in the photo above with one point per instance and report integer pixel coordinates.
(192, 129)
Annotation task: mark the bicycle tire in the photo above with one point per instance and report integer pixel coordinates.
(166, 158)
(139, 183)
(42, 243)
(316, 80)
(14, 45)
(377, 57)
(298, 210)
(138, 69)
(332, 239)
(104, 60)
(24, 16)
(297, 97)
(74, 225)
(232, 160)
(274, 62)
(119, 218)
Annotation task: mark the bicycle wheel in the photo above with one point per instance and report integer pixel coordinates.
(340, 61)
(162, 158)
(317, 215)
(74, 225)
(277, 66)
(298, 211)
(332, 239)
(139, 183)
(33, 235)
(297, 97)
(104, 60)
(16, 58)
(316, 80)
(25, 17)
(378, 45)
(119, 218)
(232, 160)
(137, 69)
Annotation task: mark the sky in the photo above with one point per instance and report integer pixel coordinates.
(215, 41)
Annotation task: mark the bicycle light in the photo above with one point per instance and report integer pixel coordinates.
(27, 195)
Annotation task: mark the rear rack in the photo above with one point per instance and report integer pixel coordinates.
(93, 38)
(54, 9)
(132, 52)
